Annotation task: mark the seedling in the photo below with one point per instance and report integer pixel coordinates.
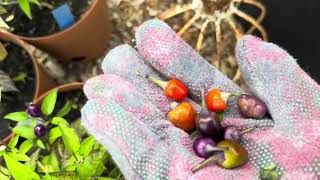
(50, 146)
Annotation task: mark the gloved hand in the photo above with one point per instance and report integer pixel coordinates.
(128, 114)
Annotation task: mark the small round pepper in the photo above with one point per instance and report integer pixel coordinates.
(183, 116)
(173, 89)
(215, 102)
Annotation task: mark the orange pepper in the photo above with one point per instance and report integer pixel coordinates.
(183, 116)
(215, 102)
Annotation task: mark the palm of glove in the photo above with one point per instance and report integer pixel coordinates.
(128, 114)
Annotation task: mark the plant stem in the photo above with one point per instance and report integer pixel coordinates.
(203, 101)
(248, 130)
(225, 95)
(162, 84)
(210, 148)
(47, 5)
(205, 163)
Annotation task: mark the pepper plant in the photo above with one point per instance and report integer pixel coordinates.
(47, 146)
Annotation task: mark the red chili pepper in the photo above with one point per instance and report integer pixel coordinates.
(173, 89)
(215, 101)
(183, 116)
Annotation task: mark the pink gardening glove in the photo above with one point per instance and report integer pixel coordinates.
(128, 114)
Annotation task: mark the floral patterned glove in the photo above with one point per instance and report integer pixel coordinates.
(128, 114)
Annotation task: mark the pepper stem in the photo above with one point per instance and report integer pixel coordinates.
(214, 149)
(248, 130)
(162, 84)
(205, 163)
(174, 104)
(225, 95)
(203, 100)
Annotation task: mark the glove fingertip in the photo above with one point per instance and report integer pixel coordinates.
(158, 44)
(251, 50)
(119, 58)
(94, 87)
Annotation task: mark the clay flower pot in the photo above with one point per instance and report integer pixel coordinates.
(85, 40)
(42, 81)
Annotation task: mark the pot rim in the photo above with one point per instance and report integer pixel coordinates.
(76, 24)
(61, 88)
(7, 36)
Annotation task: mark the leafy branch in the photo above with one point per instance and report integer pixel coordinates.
(61, 153)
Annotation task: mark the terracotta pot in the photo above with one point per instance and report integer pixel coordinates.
(85, 40)
(42, 80)
(62, 88)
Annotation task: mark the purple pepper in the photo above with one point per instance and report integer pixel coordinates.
(208, 122)
(204, 147)
(232, 133)
(235, 134)
(40, 130)
(251, 106)
(34, 111)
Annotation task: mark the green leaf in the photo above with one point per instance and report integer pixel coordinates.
(25, 146)
(45, 168)
(4, 25)
(59, 120)
(69, 165)
(105, 178)
(47, 177)
(32, 163)
(90, 167)
(3, 52)
(19, 156)
(13, 142)
(70, 138)
(86, 169)
(4, 170)
(40, 144)
(2, 149)
(49, 102)
(100, 168)
(9, 18)
(25, 7)
(21, 77)
(17, 116)
(51, 163)
(24, 131)
(270, 166)
(65, 109)
(54, 161)
(3, 10)
(35, 2)
(269, 172)
(269, 175)
(19, 170)
(86, 146)
(54, 134)
(3, 176)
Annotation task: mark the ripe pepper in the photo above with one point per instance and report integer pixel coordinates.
(173, 89)
(183, 116)
(216, 100)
